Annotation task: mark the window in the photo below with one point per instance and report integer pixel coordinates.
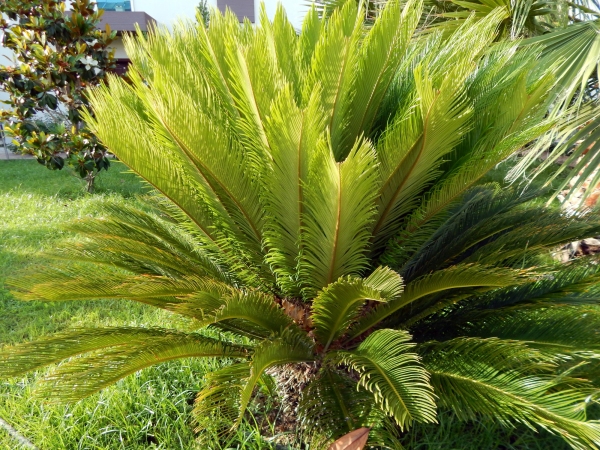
(114, 5)
(241, 8)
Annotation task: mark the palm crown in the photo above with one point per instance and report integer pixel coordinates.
(325, 208)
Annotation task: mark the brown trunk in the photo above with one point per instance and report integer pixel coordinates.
(89, 178)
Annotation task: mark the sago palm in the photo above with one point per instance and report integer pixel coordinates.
(325, 211)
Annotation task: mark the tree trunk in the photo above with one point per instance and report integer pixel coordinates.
(89, 178)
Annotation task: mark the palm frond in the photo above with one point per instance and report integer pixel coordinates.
(481, 215)
(555, 329)
(412, 151)
(208, 146)
(188, 158)
(510, 383)
(503, 122)
(574, 51)
(255, 78)
(332, 69)
(108, 354)
(457, 277)
(336, 307)
(386, 280)
(253, 307)
(217, 405)
(141, 242)
(289, 347)
(575, 284)
(282, 37)
(550, 230)
(293, 135)
(395, 377)
(309, 37)
(73, 283)
(579, 168)
(383, 50)
(340, 205)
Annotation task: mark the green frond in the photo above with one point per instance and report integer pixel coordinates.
(563, 287)
(580, 140)
(508, 114)
(333, 67)
(506, 381)
(481, 215)
(178, 184)
(502, 122)
(141, 242)
(309, 37)
(217, 405)
(108, 355)
(255, 78)
(288, 347)
(574, 52)
(192, 168)
(536, 236)
(576, 283)
(395, 377)
(549, 328)
(75, 283)
(337, 306)
(254, 308)
(383, 50)
(520, 17)
(214, 155)
(293, 134)
(386, 280)
(283, 40)
(412, 150)
(457, 277)
(339, 205)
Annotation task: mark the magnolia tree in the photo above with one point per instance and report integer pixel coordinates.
(58, 54)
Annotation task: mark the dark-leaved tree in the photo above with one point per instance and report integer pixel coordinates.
(58, 54)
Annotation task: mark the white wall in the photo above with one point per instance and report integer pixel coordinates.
(5, 60)
(120, 52)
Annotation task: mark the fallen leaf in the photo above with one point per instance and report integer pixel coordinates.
(355, 440)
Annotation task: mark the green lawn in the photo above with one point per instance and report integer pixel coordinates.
(149, 409)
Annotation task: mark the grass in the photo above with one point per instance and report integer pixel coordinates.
(150, 409)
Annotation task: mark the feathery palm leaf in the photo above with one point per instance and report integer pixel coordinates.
(394, 376)
(506, 380)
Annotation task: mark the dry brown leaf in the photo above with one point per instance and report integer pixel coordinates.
(355, 440)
